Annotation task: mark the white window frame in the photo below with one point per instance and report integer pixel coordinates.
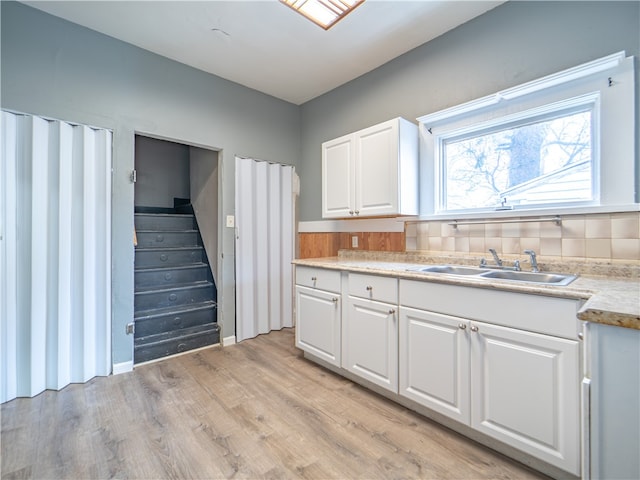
(609, 82)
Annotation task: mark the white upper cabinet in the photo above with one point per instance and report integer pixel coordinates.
(372, 172)
(338, 188)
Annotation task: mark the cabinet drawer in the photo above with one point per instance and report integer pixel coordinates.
(319, 278)
(374, 287)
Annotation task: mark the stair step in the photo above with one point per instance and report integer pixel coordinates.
(167, 238)
(175, 306)
(174, 318)
(149, 298)
(162, 345)
(169, 256)
(159, 312)
(167, 276)
(164, 221)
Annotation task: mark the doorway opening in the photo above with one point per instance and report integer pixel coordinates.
(176, 222)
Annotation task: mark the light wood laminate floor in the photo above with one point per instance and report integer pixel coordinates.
(257, 409)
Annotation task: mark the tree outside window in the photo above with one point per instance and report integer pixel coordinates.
(546, 161)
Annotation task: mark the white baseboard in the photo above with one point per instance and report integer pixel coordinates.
(123, 367)
(226, 341)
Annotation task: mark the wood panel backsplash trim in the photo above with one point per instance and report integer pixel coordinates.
(317, 245)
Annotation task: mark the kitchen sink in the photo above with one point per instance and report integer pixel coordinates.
(497, 274)
(452, 269)
(548, 278)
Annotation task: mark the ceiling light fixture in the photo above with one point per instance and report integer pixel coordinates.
(325, 13)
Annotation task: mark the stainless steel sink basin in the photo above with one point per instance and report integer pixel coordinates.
(530, 277)
(452, 269)
(516, 276)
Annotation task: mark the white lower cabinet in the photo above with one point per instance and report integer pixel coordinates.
(505, 364)
(319, 313)
(612, 397)
(318, 326)
(525, 392)
(370, 330)
(519, 387)
(370, 342)
(434, 362)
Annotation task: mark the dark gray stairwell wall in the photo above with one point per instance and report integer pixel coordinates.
(204, 170)
(162, 172)
(168, 170)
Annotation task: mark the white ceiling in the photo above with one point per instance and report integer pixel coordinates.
(267, 46)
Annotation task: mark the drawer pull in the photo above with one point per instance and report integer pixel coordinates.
(392, 311)
(462, 326)
(369, 288)
(313, 279)
(334, 300)
(474, 328)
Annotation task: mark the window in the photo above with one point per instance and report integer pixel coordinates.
(324, 13)
(533, 161)
(561, 141)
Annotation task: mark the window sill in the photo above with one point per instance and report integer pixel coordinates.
(528, 213)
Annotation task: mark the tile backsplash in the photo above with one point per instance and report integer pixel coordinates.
(614, 236)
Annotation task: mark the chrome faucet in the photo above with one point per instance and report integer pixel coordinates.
(496, 258)
(499, 263)
(534, 262)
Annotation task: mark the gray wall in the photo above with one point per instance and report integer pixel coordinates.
(204, 198)
(162, 170)
(54, 68)
(512, 44)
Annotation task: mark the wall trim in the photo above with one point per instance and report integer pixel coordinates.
(123, 367)
(550, 81)
(360, 225)
(228, 341)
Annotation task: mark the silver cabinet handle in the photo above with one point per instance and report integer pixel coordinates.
(462, 326)
(474, 328)
(391, 311)
(369, 288)
(581, 336)
(357, 212)
(334, 300)
(313, 279)
(350, 212)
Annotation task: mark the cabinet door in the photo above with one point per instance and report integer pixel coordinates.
(338, 196)
(434, 362)
(613, 365)
(376, 172)
(525, 392)
(370, 342)
(318, 323)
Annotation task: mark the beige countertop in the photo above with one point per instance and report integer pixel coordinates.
(612, 299)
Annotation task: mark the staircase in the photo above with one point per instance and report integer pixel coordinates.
(175, 296)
